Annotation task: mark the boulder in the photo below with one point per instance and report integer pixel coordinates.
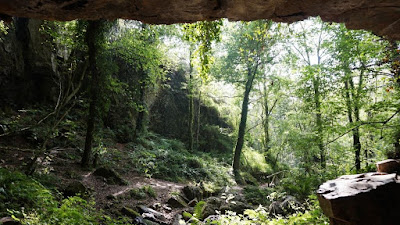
(235, 206)
(177, 201)
(191, 192)
(275, 208)
(178, 219)
(290, 205)
(111, 177)
(388, 166)
(129, 212)
(8, 221)
(76, 188)
(361, 199)
(193, 202)
(214, 204)
(151, 214)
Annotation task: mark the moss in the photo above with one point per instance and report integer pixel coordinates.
(18, 191)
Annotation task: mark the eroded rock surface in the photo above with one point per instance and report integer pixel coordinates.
(382, 17)
(362, 199)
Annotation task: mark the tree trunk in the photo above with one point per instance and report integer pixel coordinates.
(242, 127)
(141, 119)
(356, 140)
(396, 73)
(93, 29)
(198, 120)
(318, 119)
(352, 99)
(191, 105)
(356, 131)
(266, 120)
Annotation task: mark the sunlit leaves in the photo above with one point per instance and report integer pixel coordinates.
(200, 35)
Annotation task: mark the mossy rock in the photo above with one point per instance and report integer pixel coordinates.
(129, 212)
(177, 202)
(76, 188)
(111, 176)
(192, 192)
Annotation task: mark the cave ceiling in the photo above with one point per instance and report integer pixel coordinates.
(379, 16)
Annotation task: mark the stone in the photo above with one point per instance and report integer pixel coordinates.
(130, 212)
(275, 208)
(235, 206)
(193, 202)
(139, 221)
(382, 17)
(111, 197)
(178, 219)
(8, 221)
(111, 176)
(212, 204)
(388, 166)
(290, 205)
(191, 192)
(361, 199)
(76, 188)
(177, 201)
(147, 211)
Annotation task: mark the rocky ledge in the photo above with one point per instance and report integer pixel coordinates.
(382, 17)
(362, 199)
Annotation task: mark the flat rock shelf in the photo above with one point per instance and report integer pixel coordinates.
(362, 199)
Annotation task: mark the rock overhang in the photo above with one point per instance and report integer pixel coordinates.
(381, 17)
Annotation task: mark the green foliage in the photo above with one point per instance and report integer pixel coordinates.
(257, 195)
(215, 139)
(18, 192)
(303, 183)
(254, 163)
(167, 159)
(143, 192)
(313, 215)
(3, 29)
(73, 210)
(199, 209)
(66, 36)
(201, 34)
(29, 202)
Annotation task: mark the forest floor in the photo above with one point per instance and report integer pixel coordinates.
(61, 167)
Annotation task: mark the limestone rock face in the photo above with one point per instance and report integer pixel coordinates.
(382, 17)
(362, 199)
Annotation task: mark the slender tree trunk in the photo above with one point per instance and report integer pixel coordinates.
(356, 140)
(242, 127)
(191, 105)
(318, 118)
(396, 73)
(356, 131)
(92, 30)
(198, 120)
(266, 119)
(352, 101)
(141, 119)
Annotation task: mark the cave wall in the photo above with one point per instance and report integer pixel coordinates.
(27, 65)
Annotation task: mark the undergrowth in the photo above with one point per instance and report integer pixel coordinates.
(311, 215)
(30, 203)
(168, 159)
